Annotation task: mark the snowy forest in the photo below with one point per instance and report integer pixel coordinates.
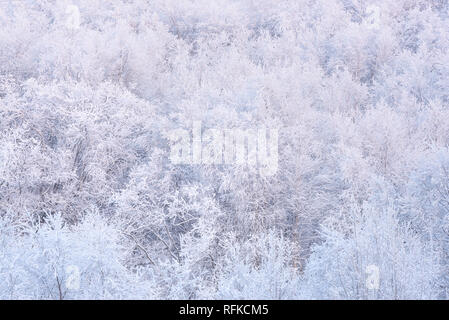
(354, 92)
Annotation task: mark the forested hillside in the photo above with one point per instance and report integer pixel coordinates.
(356, 94)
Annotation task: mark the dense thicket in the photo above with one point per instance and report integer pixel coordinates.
(91, 206)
